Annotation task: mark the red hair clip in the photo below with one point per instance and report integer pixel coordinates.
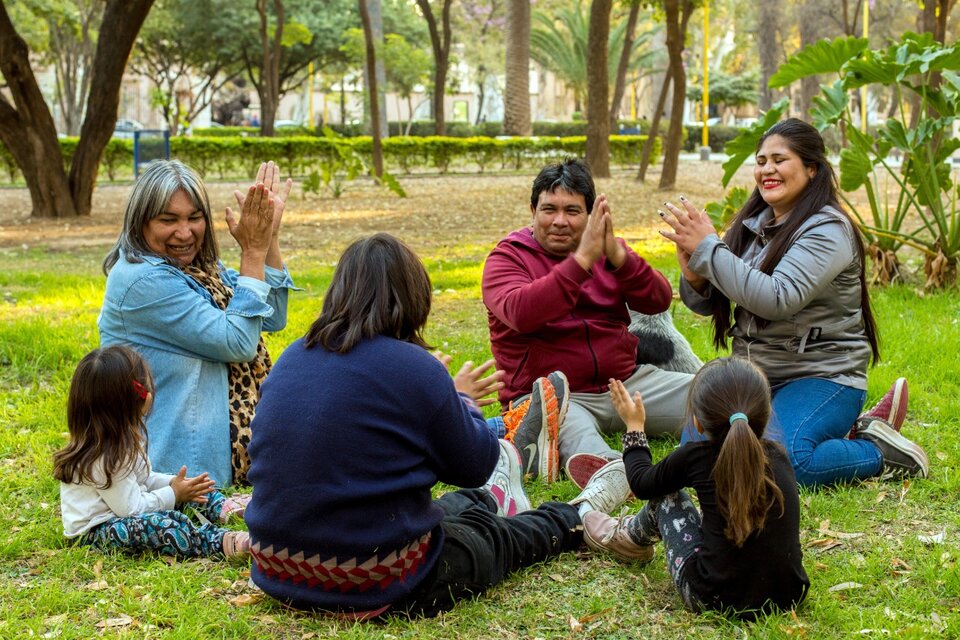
(140, 390)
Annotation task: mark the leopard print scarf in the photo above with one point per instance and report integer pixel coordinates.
(244, 380)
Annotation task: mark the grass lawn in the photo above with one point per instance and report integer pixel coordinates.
(882, 556)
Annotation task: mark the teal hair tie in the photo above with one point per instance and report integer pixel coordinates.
(739, 416)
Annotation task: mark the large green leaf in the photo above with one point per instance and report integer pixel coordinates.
(856, 161)
(830, 106)
(826, 56)
(745, 144)
(873, 67)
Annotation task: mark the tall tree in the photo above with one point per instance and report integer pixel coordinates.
(677, 15)
(623, 65)
(271, 43)
(440, 39)
(598, 115)
(26, 125)
(516, 98)
(186, 61)
(768, 26)
(373, 93)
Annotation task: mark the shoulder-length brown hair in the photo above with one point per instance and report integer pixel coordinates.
(746, 488)
(379, 288)
(105, 416)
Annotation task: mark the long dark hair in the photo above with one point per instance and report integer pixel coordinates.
(379, 288)
(105, 416)
(746, 487)
(804, 140)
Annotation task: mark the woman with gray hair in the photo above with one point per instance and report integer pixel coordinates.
(197, 323)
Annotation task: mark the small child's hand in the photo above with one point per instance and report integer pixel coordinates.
(630, 409)
(191, 489)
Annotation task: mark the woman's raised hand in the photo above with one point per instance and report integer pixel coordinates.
(269, 175)
(471, 381)
(253, 231)
(690, 226)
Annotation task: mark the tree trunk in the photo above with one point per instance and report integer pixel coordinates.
(598, 87)
(481, 93)
(767, 27)
(375, 13)
(621, 81)
(372, 88)
(270, 74)
(516, 98)
(27, 127)
(655, 124)
(440, 42)
(677, 16)
(809, 34)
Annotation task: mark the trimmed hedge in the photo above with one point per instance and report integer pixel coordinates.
(234, 156)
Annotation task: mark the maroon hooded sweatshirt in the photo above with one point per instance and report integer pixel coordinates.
(547, 314)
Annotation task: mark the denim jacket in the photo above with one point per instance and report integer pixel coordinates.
(811, 300)
(188, 340)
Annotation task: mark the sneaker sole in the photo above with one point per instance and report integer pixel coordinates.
(581, 467)
(550, 464)
(894, 439)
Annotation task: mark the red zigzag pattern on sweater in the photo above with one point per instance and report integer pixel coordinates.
(348, 575)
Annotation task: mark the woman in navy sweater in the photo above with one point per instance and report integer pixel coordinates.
(356, 424)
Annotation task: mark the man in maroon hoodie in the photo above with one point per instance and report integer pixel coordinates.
(557, 294)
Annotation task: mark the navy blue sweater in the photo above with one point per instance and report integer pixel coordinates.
(344, 453)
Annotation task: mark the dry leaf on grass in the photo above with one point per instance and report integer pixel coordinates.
(96, 585)
(825, 544)
(98, 569)
(593, 616)
(556, 577)
(246, 599)
(574, 624)
(112, 623)
(844, 586)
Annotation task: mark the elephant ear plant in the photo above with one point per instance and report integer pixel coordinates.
(921, 74)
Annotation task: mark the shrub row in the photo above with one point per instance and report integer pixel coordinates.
(428, 128)
(239, 156)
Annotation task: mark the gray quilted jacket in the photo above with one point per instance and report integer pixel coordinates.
(811, 300)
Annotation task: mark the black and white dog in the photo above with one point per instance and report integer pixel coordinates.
(661, 344)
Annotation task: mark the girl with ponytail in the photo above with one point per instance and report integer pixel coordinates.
(741, 551)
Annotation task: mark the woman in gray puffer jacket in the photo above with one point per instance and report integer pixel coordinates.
(792, 263)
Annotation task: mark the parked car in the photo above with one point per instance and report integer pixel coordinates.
(125, 128)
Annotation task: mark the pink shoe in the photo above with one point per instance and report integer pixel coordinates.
(235, 505)
(892, 407)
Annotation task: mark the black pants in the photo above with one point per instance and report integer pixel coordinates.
(481, 548)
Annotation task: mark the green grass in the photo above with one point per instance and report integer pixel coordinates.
(865, 534)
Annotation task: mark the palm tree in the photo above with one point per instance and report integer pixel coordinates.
(560, 43)
(516, 99)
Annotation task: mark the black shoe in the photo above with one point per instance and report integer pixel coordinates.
(901, 457)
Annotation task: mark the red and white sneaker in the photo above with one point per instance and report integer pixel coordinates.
(580, 467)
(892, 407)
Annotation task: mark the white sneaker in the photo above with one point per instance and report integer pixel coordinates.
(607, 489)
(506, 482)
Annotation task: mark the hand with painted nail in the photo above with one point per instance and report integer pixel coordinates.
(689, 226)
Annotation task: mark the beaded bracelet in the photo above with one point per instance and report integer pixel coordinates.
(634, 440)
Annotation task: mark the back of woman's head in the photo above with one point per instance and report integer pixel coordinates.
(730, 401)
(105, 415)
(149, 197)
(379, 288)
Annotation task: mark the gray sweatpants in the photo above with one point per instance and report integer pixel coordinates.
(590, 414)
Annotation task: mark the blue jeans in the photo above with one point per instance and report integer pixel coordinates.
(811, 419)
